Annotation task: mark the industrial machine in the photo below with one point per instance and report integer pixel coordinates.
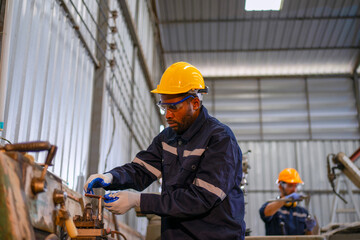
(35, 204)
(342, 169)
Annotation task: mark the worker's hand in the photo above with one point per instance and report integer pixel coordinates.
(310, 223)
(97, 181)
(121, 202)
(294, 196)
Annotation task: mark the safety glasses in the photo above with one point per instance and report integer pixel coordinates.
(173, 106)
(296, 186)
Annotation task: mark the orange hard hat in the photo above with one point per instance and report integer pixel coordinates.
(289, 175)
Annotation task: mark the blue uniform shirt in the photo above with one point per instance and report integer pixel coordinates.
(201, 172)
(293, 218)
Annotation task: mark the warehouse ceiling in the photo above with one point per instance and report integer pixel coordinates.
(307, 37)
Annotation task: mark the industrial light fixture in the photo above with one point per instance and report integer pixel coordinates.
(263, 5)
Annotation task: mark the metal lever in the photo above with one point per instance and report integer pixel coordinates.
(38, 185)
(63, 216)
(99, 204)
(332, 176)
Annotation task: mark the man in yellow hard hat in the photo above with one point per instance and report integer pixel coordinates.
(198, 159)
(284, 217)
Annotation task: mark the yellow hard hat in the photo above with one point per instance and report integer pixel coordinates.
(289, 175)
(180, 77)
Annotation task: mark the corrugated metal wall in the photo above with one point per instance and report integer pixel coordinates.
(130, 118)
(288, 122)
(286, 108)
(49, 84)
(129, 98)
(51, 77)
(268, 158)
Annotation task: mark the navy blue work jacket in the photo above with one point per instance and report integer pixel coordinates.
(293, 218)
(201, 173)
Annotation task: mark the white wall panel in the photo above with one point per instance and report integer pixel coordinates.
(268, 158)
(286, 108)
(49, 85)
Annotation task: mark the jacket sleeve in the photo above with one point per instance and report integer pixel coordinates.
(218, 173)
(262, 213)
(140, 173)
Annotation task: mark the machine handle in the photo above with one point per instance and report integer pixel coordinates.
(27, 147)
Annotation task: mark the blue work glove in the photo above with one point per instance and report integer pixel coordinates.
(310, 223)
(295, 196)
(121, 202)
(97, 181)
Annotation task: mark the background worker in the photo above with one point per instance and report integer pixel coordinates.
(286, 217)
(198, 159)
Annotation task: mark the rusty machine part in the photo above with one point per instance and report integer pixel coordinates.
(332, 175)
(32, 215)
(90, 225)
(38, 184)
(63, 215)
(89, 220)
(341, 162)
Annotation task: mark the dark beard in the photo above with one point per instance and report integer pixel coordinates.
(187, 120)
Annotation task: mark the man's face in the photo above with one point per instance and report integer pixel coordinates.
(181, 118)
(288, 188)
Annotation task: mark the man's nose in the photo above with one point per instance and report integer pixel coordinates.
(168, 114)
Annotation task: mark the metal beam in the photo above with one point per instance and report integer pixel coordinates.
(243, 77)
(98, 91)
(77, 30)
(262, 50)
(192, 21)
(312, 192)
(308, 107)
(357, 96)
(132, 30)
(152, 9)
(357, 63)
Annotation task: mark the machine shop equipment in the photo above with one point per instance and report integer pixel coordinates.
(341, 169)
(36, 204)
(337, 166)
(343, 163)
(87, 226)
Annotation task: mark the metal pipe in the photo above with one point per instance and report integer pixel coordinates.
(5, 52)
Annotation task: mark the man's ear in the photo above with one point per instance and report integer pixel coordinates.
(282, 190)
(196, 103)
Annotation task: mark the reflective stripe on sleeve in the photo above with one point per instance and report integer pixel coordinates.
(169, 148)
(295, 214)
(285, 212)
(150, 168)
(211, 188)
(301, 215)
(195, 152)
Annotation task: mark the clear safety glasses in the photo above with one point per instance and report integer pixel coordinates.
(297, 186)
(173, 106)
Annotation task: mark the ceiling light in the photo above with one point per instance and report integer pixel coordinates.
(263, 5)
